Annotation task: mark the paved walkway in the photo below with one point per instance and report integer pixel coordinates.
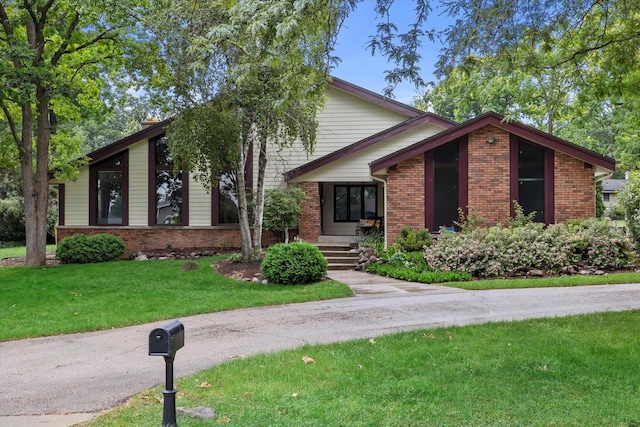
(72, 377)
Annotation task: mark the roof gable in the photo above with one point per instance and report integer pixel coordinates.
(405, 126)
(494, 119)
(117, 146)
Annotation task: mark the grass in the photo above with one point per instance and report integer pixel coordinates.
(16, 251)
(546, 282)
(574, 371)
(77, 298)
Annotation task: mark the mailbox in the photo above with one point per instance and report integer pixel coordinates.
(167, 339)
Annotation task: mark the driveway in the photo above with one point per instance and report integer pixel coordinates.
(86, 373)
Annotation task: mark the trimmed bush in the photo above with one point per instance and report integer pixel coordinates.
(411, 240)
(295, 263)
(83, 249)
(500, 251)
(414, 275)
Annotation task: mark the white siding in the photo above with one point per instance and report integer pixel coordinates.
(76, 203)
(139, 183)
(355, 168)
(345, 119)
(199, 204)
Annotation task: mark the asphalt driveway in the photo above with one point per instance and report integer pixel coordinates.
(86, 373)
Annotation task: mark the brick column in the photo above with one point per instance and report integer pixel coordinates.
(405, 196)
(574, 190)
(310, 226)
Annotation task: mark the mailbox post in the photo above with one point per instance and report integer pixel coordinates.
(166, 341)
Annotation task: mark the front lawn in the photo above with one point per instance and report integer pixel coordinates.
(77, 298)
(574, 371)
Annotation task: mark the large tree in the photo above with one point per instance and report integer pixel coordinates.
(53, 55)
(269, 64)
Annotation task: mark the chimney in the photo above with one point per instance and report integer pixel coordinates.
(149, 122)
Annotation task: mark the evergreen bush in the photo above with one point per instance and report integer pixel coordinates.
(83, 249)
(411, 240)
(293, 263)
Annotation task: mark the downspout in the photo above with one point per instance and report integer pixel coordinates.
(384, 188)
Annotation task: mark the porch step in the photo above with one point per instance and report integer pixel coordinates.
(339, 256)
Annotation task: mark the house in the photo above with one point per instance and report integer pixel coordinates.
(610, 190)
(374, 157)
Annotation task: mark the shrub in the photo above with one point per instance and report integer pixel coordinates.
(501, 251)
(422, 276)
(411, 240)
(12, 221)
(82, 249)
(293, 263)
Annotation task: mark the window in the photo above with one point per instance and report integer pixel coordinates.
(108, 188)
(228, 198)
(168, 189)
(531, 174)
(445, 185)
(605, 197)
(354, 202)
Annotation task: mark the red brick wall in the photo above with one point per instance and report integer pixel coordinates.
(574, 189)
(310, 225)
(489, 172)
(149, 238)
(405, 196)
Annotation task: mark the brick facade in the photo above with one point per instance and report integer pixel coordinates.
(574, 189)
(310, 224)
(138, 239)
(489, 172)
(405, 196)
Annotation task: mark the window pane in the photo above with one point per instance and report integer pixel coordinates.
(163, 156)
(109, 197)
(341, 203)
(531, 180)
(168, 198)
(445, 186)
(355, 203)
(228, 206)
(369, 201)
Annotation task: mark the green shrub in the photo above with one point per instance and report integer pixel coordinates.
(412, 275)
(501, 251)
(293, 263)
(12, 221)
(83, 249)
(411, 240)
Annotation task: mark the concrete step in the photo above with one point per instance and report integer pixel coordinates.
(339, 256)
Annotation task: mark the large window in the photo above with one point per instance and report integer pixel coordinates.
(354, 202)
(228, 198)
(168, 187)
(108, 182)
(445, 185)
(531, 182)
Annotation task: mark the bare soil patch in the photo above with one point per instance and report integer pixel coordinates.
(237, 270)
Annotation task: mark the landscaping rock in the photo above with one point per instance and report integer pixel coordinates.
(199, 412)
(536, 273)
(598, 272)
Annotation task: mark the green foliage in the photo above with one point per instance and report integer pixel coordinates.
(468, 222)
(12, 221)
(507, 251)
(235, 257)
(629, 200)
(599, 202)
(520, 219)
(411, 275)
(411, 240)
(82, 249)
(282, 209)
(294, 264)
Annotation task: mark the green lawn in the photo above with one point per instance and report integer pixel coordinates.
(15, 251)
(575, 371)
(545, 282)
(75, 298)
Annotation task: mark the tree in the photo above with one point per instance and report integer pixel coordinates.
(269, 63)
(282, 210)
(52, 58)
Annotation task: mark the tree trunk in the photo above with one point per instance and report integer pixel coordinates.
(243, 213)
(36, 188)
(259, 196)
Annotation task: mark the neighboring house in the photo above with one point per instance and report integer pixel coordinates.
(610, 190)
(374, 157)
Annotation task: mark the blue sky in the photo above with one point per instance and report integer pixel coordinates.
(358, 66)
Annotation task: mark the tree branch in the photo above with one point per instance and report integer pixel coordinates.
(12, 123)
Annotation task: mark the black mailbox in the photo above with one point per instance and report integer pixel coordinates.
(167, 339)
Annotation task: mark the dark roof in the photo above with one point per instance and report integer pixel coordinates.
(491, 118)
(117, 146)
(612, 185)
(364, 143)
